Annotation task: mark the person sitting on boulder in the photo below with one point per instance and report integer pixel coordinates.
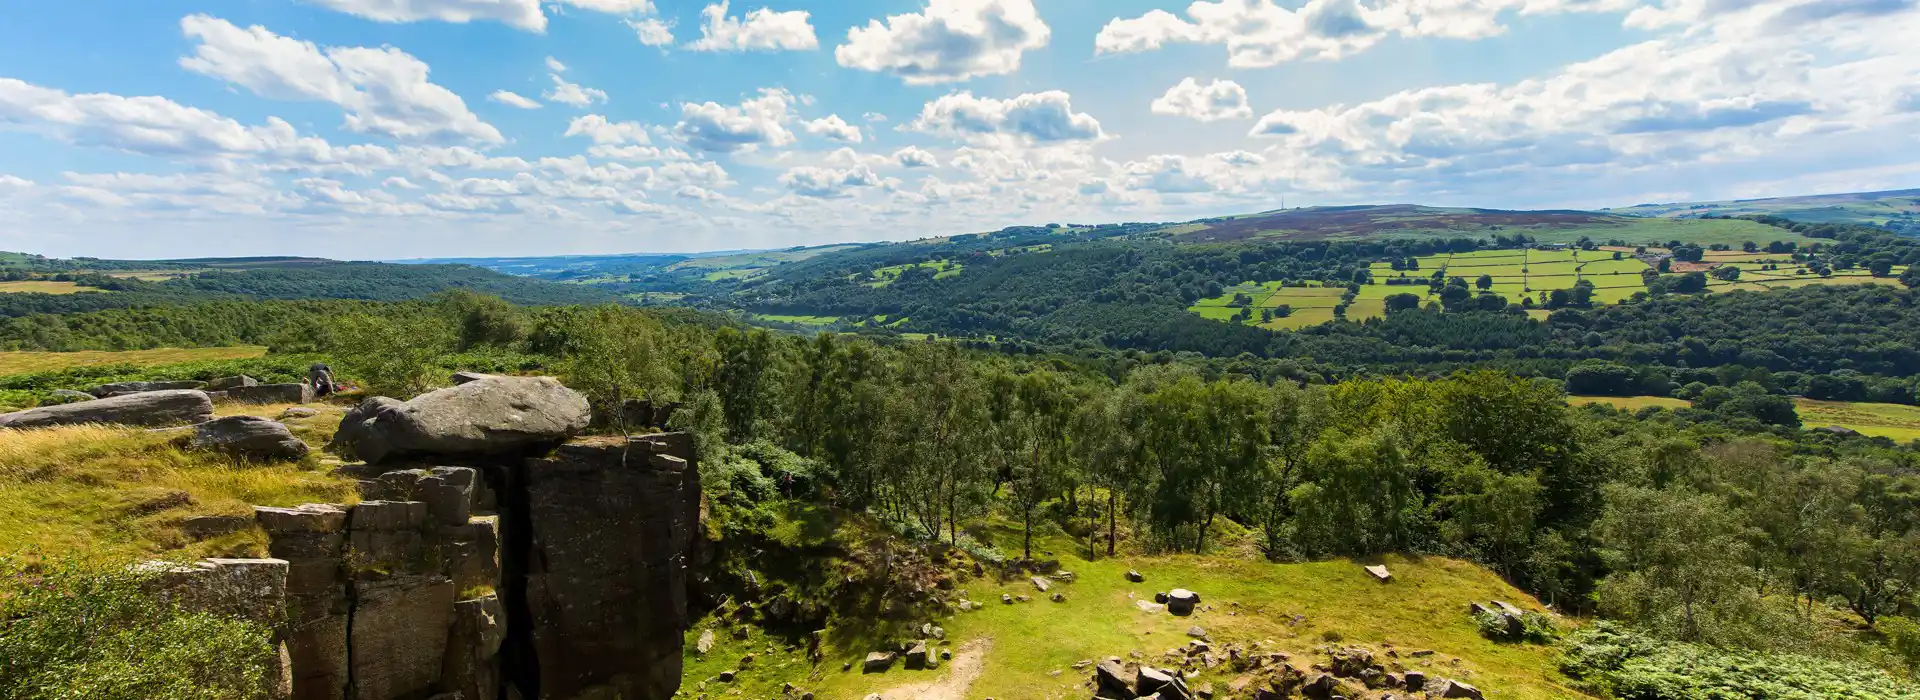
(321, 377)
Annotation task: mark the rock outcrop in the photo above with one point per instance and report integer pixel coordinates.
(492, 417)
(145, 409)
(251, 437)
(234, 382)
(609, 526)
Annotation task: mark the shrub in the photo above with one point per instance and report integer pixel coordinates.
(1533, 627)
(75, 631)
(1613, 661)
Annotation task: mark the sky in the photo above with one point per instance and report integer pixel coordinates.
(389, 129)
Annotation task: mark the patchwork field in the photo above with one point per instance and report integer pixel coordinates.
(942, 269)
(1412, 221)
(1527, 277)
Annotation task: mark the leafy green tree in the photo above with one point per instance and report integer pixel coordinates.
(1677, 560)
(392, 356)
(76, 631)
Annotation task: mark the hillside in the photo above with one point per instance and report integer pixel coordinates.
(1412, 221)
(46, 285)
(1895, 209)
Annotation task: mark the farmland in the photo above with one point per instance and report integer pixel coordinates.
(1528, 277)
(942, 269)
(1893, 421)
(43, 287)
(25, 362)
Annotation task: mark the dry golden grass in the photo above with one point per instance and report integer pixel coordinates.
(106, 491)
(24, 362)
(44, 287)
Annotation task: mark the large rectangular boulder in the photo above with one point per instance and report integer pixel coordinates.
(611, 525)
(472, 664)
(272, 393)
(123, 388)
(145, 409)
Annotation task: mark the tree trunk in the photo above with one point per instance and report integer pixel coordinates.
(1026, 522)
(1113, 501)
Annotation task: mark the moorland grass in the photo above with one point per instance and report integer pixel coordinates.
(26, 362)
(95, 491)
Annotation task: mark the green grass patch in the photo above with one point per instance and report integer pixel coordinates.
(802, 320)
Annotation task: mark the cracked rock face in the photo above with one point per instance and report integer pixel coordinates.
(493, 416)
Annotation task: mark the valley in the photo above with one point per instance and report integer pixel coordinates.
(1594, 455)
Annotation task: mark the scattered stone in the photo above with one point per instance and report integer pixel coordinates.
(144, 409)
(946, 654)
(1023, 599)
(1350, 662)
(917, 657)
(1040, 582)
(251, 437)
(725, 677)
(1197, 632)
(1456, 689)
(272, 393)
(1136, 576)
(1421, 653)
(1321, 687)
(1063, 576)
(1149, 606)
(1150, 681)
(746, 660)
(1181, 601)
(1415, 680)
(499, 415)
(878, 662)
(1006, 598)
(1379, 571)
(1204, 691)
(1059, 597)
(1508, 608)
(298, 412)
(1111, 679)
(742, 632)
(1160, 598)
(706, 642)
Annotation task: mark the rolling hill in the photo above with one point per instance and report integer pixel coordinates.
(1892, 208)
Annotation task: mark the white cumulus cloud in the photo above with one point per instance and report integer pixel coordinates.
(652, 31)
(567, 93)
(948, 41)
(915, 157)
(761, 30)
(833, 127)
(605, 132)
(1044, 117)
(1220, 99)
(383, 91)
(755, 122)
(828, 183)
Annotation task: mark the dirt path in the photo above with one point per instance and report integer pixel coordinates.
(968, 660)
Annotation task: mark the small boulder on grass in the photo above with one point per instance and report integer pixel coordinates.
(251, 437)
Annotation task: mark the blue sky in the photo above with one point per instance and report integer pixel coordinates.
(381, 129)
